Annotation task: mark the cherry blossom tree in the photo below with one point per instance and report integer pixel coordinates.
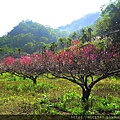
(80, 64)
(30, 66)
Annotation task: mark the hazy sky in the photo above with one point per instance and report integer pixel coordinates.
(47, 12)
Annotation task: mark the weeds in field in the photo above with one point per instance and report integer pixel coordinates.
(70, 102)
(39, 88)
(56, 96)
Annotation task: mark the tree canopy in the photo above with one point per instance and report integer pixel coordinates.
(109, 24)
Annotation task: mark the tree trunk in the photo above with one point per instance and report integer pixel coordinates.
(85, 97)
(34, 81)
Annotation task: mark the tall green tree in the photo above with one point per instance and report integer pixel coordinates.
(62, 42)
(53, 46)
(109, 24)
(89, 34)
(74, 35)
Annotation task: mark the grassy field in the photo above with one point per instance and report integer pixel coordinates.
(56, 97)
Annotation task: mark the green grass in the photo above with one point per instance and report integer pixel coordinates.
(56, 97)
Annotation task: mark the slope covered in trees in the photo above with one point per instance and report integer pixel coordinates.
(29, 37)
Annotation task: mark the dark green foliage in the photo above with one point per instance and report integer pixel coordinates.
(27, 36)
(109, 24)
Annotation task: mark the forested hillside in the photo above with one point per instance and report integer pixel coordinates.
(29, 36)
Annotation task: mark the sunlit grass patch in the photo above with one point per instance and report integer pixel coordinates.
(61, 86)
(39, 88)
(107, 87)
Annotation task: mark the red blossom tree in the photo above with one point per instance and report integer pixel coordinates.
(6, 63)
(80, 64)
(30, 66)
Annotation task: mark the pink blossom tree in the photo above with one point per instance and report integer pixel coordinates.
(80, 64)
(30, 66)
(5, 63)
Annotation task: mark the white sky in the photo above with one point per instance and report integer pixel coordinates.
(47, 12)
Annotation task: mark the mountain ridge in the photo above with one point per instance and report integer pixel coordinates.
(84, 21)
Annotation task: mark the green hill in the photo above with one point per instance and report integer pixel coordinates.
(29, 37)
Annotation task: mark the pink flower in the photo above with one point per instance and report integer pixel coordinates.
(25, 60)
(9, 60)
(75, 42)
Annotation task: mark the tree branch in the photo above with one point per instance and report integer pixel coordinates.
(103, 77)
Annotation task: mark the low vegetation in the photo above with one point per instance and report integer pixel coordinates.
(56, 97)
